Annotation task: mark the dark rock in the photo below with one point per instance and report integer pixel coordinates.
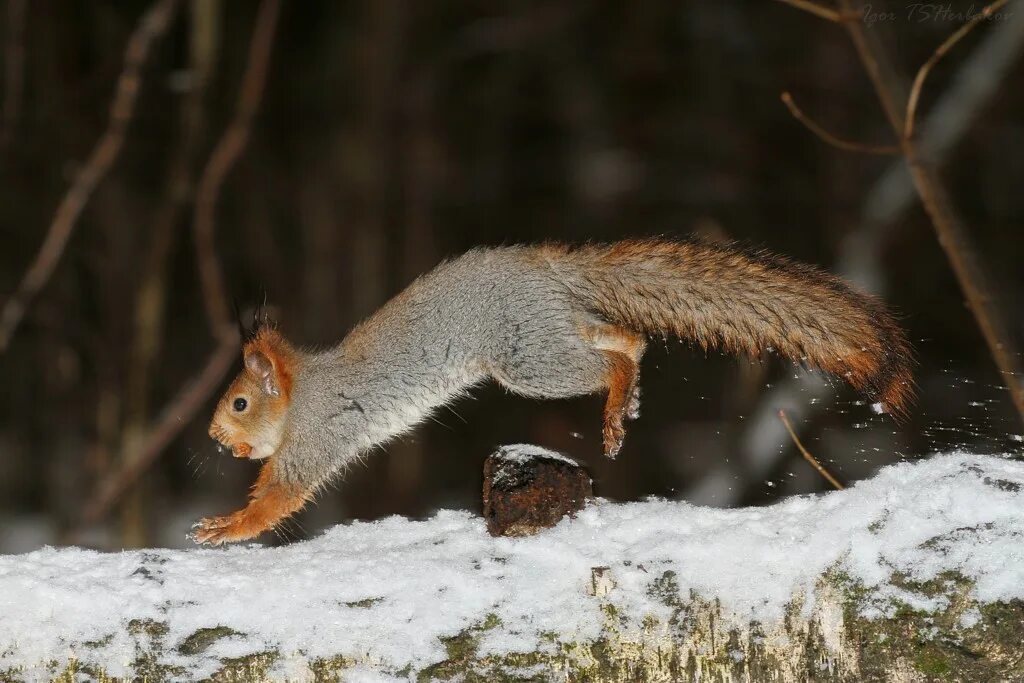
(528, 488)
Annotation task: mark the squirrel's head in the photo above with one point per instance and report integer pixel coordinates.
(250, 417)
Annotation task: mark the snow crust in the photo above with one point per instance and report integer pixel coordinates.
(387, 590)
(524, 452)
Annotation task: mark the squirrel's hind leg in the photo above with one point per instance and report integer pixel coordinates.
(588, 357)
(270, 502)
(622, 350)
(621, 378)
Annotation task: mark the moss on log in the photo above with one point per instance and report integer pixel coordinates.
(965, 641)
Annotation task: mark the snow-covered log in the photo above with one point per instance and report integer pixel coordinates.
(916, 574)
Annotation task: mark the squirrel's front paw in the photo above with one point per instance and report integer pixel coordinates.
(217, 530)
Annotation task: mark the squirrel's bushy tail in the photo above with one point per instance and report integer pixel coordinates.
(739, 300)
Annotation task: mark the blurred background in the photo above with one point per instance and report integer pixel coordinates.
(384, 136)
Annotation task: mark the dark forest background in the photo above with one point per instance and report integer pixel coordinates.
(390, 135)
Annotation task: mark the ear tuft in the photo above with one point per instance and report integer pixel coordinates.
(260, 323)
(271, 360)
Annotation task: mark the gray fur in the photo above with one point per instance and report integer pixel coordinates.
(492, 313)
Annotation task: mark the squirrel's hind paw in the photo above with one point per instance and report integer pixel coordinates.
(613, 435)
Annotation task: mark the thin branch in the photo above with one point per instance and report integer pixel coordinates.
(820, 11)
(976, 83)
(188, 402)
(953, 236)
(150, 297)
(152, 25)
(831, 139)
(222, 160)
(807, 456)
(972, 276)
(14, 69)
(181, 410)
(151, 294)
(940, 52)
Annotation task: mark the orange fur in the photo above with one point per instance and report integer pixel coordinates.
(622, 379)
(270, 502)
(739, 300)
(263, 422)
(275, 347)
(623, 350)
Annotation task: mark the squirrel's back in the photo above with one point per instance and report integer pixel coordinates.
(510, 304)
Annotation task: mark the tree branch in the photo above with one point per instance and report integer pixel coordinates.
(831, 139)
(152, 25)
(952, 235)
(807, 454)
(222, 160)
(184, 407)
(820, 11)
(150, 297)
(971, 89)
(176, 415)
(946, 46)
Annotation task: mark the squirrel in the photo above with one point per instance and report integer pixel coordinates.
(544, 321)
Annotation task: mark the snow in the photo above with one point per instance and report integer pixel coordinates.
(523, 453)
(387, 590)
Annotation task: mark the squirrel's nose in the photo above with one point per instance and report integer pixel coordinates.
(217, 433)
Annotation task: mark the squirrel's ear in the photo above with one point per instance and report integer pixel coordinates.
(262, 368)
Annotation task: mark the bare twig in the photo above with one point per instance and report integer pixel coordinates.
(151, 26)
(175, 416)
(151, 294)
(974, 85)
(820, 11)
(184, 407)
(946, 46)
(807, 456)
(952, 235)
(223, 158)
(976, 82)
(831, 139)
(150, 297)
(972, 276)
(14, 69)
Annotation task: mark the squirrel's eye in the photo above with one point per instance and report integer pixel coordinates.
(240, 404)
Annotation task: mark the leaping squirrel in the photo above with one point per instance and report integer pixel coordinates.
(546, 321)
